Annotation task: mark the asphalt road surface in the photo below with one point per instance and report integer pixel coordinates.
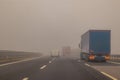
(47, 68)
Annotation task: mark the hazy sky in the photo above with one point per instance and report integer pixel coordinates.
(42, 25)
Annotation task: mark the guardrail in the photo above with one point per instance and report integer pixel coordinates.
(14, 56)
(115, 58)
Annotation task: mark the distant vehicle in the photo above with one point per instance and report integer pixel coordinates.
(96, 45)
(66, 50)
(55, 53)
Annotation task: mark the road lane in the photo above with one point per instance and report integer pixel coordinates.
(109, 69)
(67, 69)
(48, 68)
(22, 70)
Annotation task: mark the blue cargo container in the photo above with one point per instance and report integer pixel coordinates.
(96, 45)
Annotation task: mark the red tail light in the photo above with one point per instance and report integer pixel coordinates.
(107, 57)
(92, 57)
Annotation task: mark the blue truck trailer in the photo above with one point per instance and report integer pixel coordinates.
(96, 45)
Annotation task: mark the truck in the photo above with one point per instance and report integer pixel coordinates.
(55, 53)
(66, 50)
(96, 45)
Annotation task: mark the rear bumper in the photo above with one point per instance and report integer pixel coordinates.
(100, 58)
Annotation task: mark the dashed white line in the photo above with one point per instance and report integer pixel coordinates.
(109, 76)
(53, 59)
(78, 60)
(50, 61)
(87, 65)
(43, 67)
(26, 78)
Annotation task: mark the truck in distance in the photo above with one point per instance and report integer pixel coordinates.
(55, 53)
(96, 45)
(66, 50)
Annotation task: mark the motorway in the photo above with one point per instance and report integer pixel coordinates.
(48, 68)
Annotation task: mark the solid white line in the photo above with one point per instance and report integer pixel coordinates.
(113, 62)
(43, 67)
(109, 76)
(25, 78)
(102, 72)
(18, 61)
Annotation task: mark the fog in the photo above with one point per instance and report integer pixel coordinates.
(43, 25)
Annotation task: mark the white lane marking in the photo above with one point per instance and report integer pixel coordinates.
(19, 61)
(25, 78)
(113, 62)
(78, 60)
(53, 59)
(43, 67)
(113, 78)
(50, 61)
(87, 65)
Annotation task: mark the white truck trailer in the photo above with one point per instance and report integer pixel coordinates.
(55, 53)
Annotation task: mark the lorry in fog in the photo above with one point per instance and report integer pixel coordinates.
(66, 50)
(55, 53)
(96, 45)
